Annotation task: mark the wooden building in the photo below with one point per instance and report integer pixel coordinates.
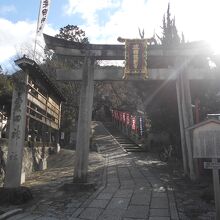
(44, 99)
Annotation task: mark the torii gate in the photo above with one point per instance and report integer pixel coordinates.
(178, 69)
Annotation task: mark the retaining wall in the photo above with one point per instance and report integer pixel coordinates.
(32, 155)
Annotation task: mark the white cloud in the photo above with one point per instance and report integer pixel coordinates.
(4, 9)
(197, 19)
(133, 14)
(18, 39)
(89, 9)
(12, 35)
(126, 19)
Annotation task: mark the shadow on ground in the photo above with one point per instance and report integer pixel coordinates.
(50, 199)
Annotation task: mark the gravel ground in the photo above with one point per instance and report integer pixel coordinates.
(51, 199)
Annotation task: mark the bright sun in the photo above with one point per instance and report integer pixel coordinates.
(210, 18)
(215, 44)
(199, 20)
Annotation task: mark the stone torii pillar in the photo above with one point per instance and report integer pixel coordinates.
(84, 122)
(185, 118)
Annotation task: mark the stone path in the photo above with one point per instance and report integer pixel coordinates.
(129, 191)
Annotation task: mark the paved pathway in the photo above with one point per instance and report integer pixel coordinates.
(129, 191)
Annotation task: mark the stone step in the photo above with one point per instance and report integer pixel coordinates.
(134, 150)
(131, 147)
(124, 141)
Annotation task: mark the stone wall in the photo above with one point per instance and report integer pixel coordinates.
(4, 146)
(32, 156)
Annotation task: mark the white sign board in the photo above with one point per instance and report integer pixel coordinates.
(206, 139)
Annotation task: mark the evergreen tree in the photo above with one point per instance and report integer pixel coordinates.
(72, 33)
(5, 92)
(170, 35)
(183, 38)
(1, 70)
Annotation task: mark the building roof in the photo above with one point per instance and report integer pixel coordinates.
(203, 123)
(35, 71)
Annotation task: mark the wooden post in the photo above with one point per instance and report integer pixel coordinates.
(197, 111)
(182, 130)
(17, 133)
(84, 122)
(206, 144)
(27, 132)
(215, 166)
(50, 136)
(215, 173)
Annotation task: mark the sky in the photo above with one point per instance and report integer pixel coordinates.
(103, 21)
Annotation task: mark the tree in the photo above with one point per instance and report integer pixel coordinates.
(72, 33)
(71, 90)
(1, 70)
(5, 92)
(170, 35)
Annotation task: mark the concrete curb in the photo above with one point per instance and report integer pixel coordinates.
(172, 204)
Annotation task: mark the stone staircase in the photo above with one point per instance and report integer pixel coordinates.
(128, 144)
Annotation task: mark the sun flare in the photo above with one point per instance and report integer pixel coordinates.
(198, 20)
(215, 44)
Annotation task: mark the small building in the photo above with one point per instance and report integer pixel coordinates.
(44, 100)
(206, 139)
